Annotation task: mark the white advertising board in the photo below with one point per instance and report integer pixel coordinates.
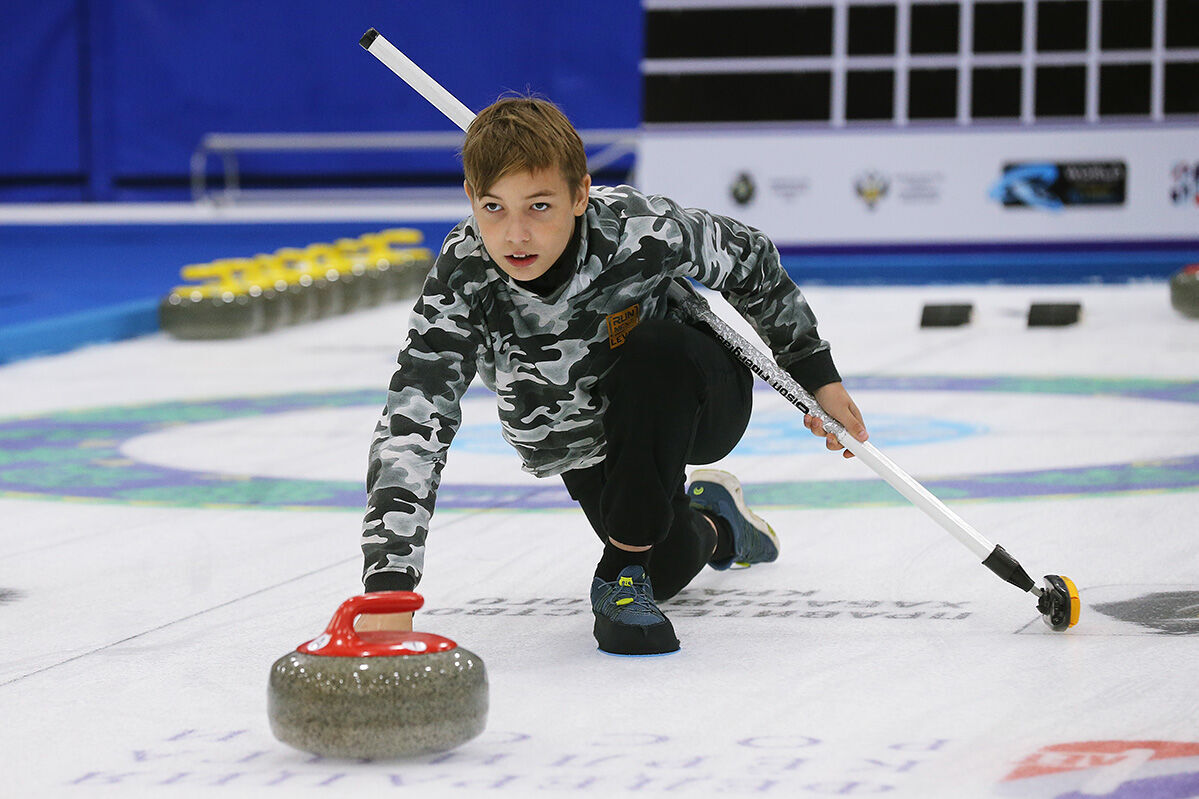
(920, 187)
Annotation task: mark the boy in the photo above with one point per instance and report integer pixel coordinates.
(556, 294)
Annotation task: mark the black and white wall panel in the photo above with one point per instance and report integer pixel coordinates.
(927, 120)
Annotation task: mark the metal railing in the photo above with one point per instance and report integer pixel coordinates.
(612, 144)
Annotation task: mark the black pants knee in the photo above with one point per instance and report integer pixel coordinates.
(676, 396)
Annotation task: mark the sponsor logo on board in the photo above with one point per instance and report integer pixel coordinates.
(907, 188)
(872, 187)
(743, 189)
(1051, 186)
(1184, 183)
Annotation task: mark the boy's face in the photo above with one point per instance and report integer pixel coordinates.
(527, 218)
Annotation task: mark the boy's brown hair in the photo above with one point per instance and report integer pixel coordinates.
(521, 133)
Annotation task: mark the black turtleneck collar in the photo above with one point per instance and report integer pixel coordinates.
(554, 277)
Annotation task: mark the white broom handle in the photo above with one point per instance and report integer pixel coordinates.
(374, 43)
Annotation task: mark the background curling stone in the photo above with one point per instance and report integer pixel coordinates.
(954, 315)
(377, 694)
(278, 304)
(1184, 291)
(375, 285)
(209, 312)
(1053, 314)
(339, 272)
(409, 269)
(409, 262)
(296, 282)
(325, 297)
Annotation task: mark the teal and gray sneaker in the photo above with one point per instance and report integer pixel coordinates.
(627, 620)
(718, 493)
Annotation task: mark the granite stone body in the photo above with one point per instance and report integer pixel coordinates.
(200, 315)
(409, 275)
(1184, 291)
(380, 706)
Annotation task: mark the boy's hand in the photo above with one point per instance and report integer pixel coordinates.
(387, 622)
(837, 403)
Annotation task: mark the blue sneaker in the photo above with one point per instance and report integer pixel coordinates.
(627, 620)
(718, 493)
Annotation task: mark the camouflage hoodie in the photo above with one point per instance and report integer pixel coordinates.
(543, 356)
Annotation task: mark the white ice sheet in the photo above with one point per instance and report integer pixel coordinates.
(874, 657)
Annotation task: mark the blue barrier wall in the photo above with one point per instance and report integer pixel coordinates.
(41, 99)
(107, 99)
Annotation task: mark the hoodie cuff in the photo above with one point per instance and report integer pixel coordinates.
(390, 581)
(814, 371)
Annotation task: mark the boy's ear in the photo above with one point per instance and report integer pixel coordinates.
(469, 196)
(580, 204)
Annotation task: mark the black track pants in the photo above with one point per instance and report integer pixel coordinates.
(676, 396)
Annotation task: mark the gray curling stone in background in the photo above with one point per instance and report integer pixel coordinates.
(303, 299)
(209, 312)
(276, 305)
(377, 694)
(1184, 291)
(375, 284)
(330, 294)
(416, 269)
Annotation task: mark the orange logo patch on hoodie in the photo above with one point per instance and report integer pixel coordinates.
(620, 324)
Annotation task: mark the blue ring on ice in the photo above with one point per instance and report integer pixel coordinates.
(76, 456)
(773, 433)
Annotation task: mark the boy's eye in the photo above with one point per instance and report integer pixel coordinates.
(541, 206)
(493, 207)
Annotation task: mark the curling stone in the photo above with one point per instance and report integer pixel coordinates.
(246, 276)
(338, 271)
(218, 305)
(330, 292)
(290, 265)
(209, 312)
(278, 304)
(375, 284)
(321, 285)
(409, 264)
(1059, 603)
(410, 267)
(377, 694)
(303, 301)
(1184, 291)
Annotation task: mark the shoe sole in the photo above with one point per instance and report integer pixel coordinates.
(730, 483)
(627, 639)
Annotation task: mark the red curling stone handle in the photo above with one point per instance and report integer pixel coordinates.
(340, 639)
(378, 602)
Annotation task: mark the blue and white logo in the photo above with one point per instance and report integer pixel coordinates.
(1029, 185)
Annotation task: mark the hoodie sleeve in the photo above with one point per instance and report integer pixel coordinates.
(408, 450)
(743, 264)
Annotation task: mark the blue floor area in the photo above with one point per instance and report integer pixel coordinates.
(62, 286)
(66, 285)
(52, 270)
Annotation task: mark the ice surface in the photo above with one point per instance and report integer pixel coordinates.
(874, 657)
